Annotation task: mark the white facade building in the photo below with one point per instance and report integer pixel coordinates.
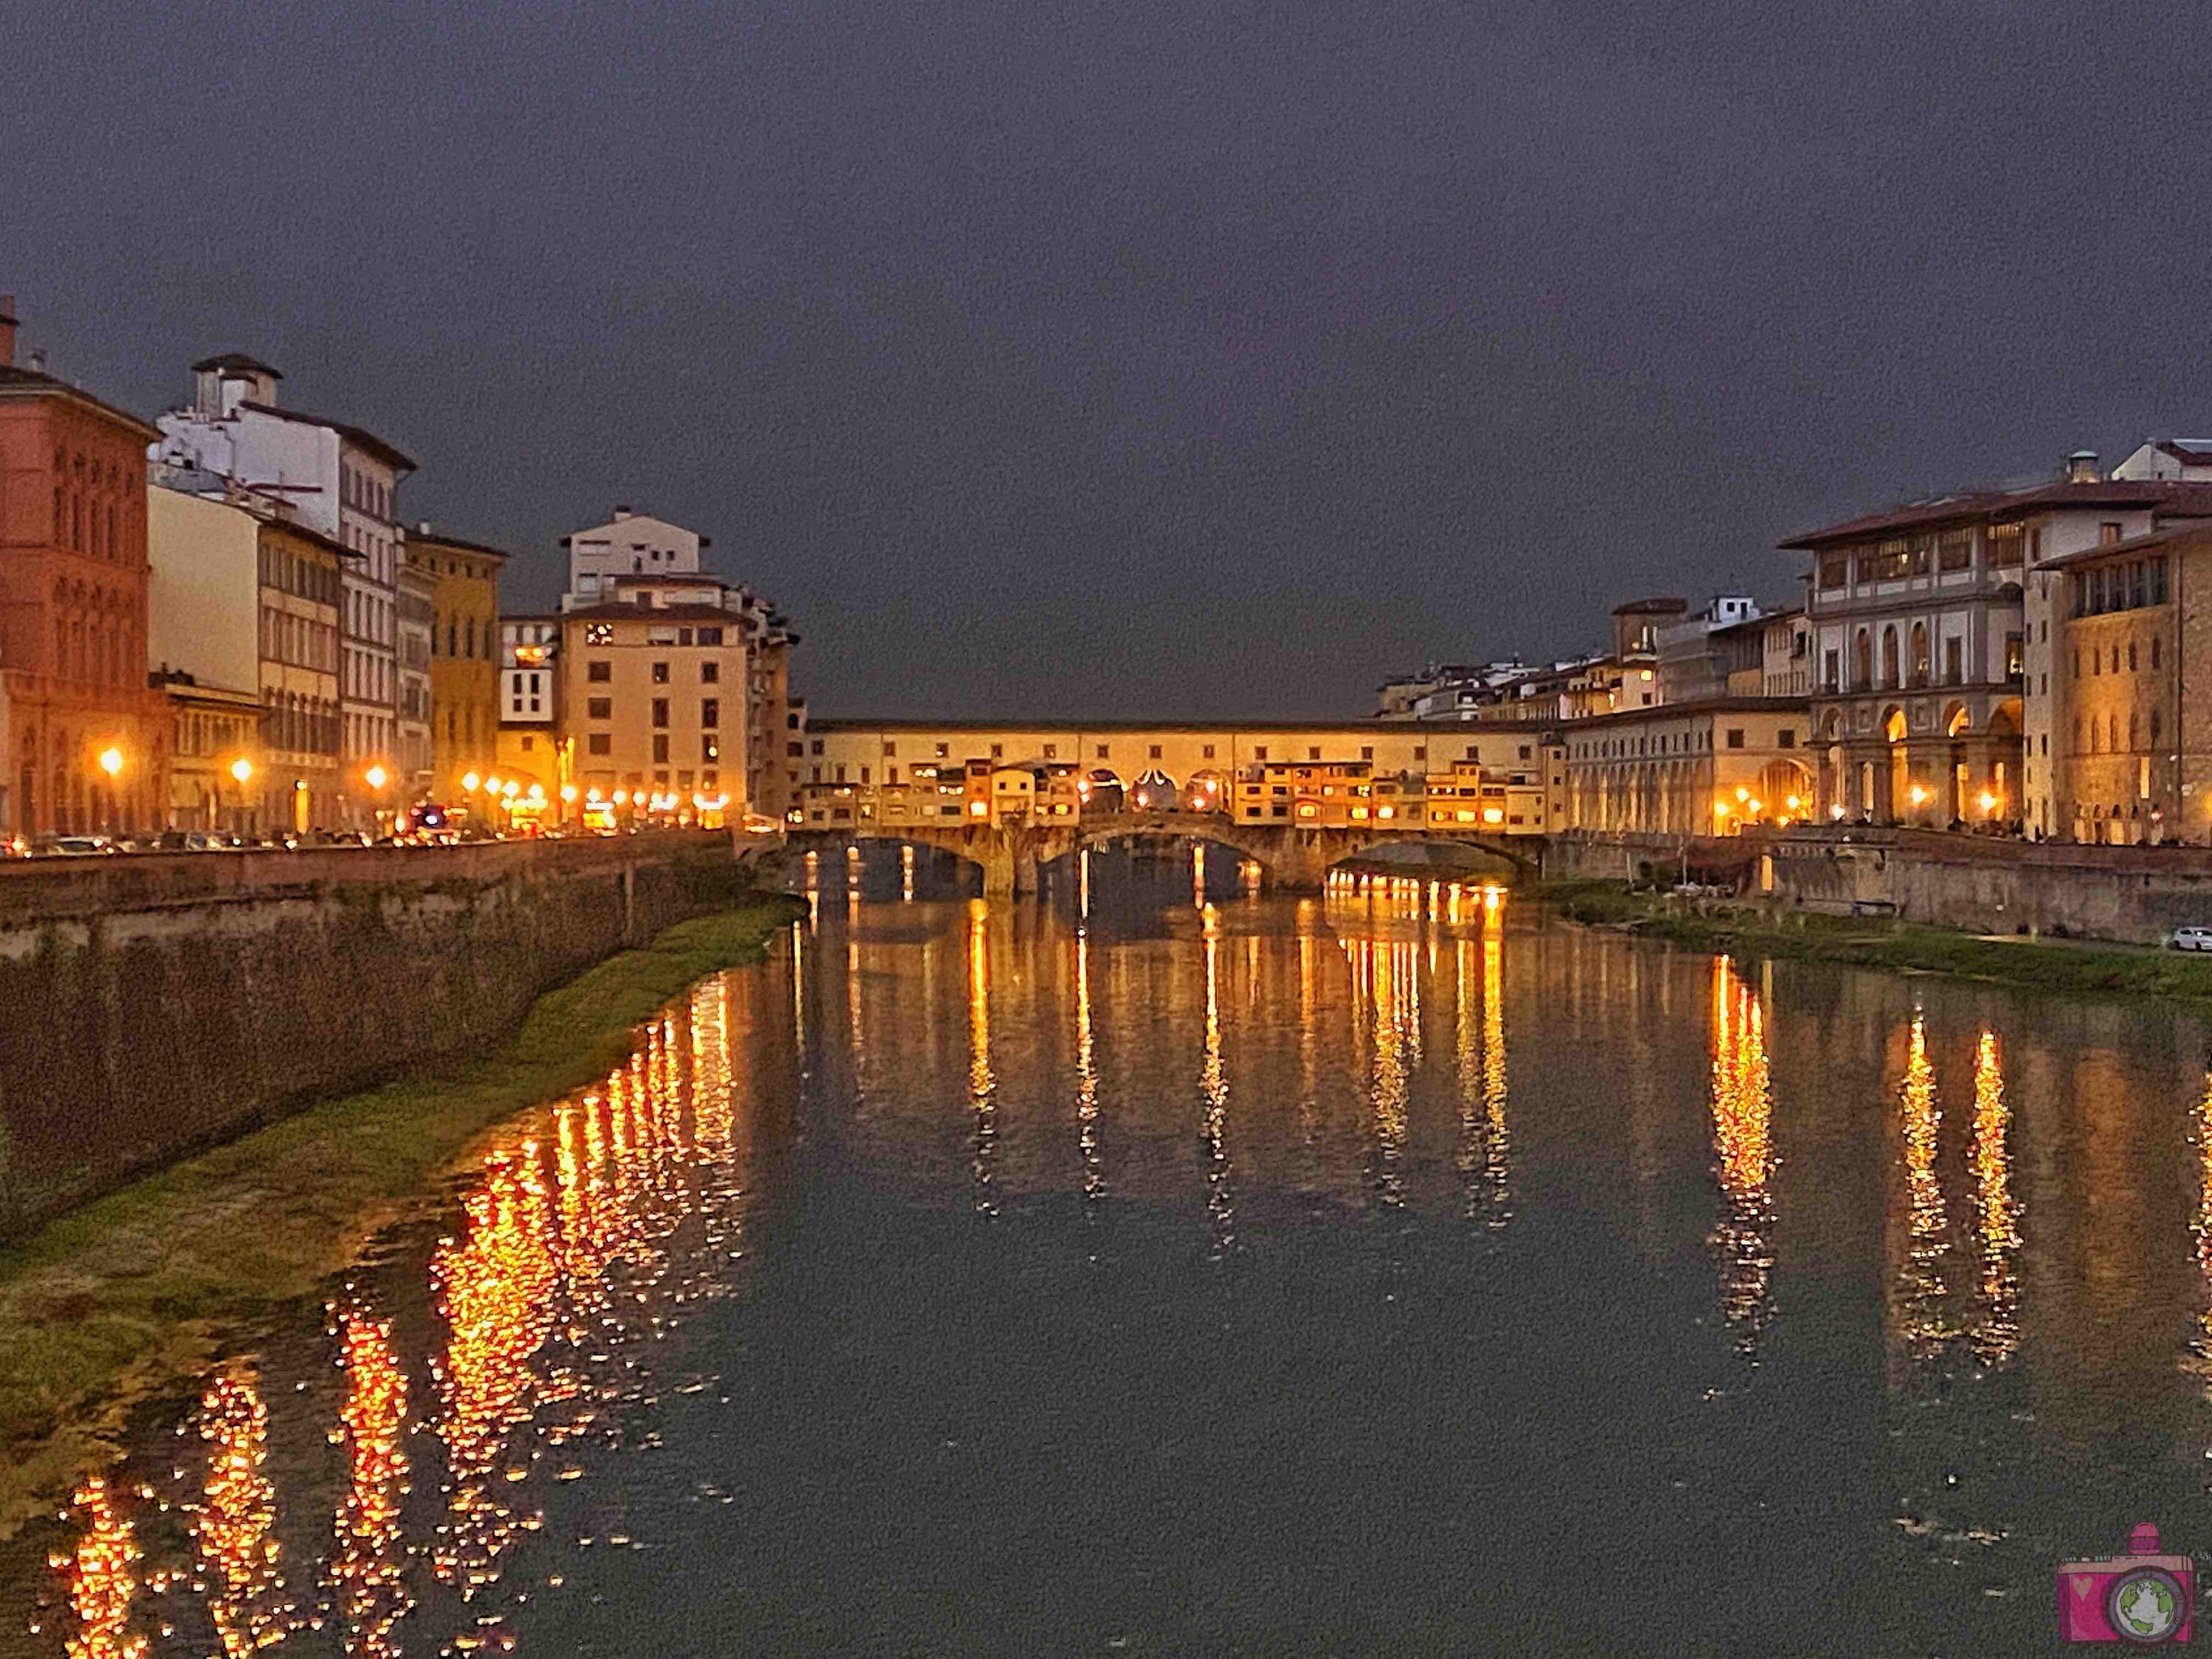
(343, 481)
(529, 671)
(2186, 459)
(628, 545)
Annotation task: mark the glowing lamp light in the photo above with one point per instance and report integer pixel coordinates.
(977, 808)
(569, 791)
(1989, 801)
(242, 769)
(622, 797)
(537, 792)
(1792, 803)
(1722, 808)
(1743, 794)
(376, 776)
(111, 761)
(1918, 794)
(1754, 806)
(591, 797)
(511, 790)
(1386, 811)
(492, 784)
(1494, 814)
(1837, 811)
(472, 782)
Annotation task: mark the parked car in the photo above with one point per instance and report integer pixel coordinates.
(75, 847)
(2192, 938)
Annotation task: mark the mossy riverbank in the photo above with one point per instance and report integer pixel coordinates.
(1749, 930)
(140, 1286)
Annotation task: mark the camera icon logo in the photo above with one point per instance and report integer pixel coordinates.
(2142, 1598)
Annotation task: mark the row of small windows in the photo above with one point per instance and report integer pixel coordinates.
(2128, 586)
(2104, 736)
(600, 670)
(1895, 558)
(2099, 656)
(1682, 743)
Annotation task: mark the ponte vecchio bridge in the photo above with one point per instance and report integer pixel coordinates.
(1296, 798)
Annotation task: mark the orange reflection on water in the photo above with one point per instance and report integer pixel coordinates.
(1743, 1115)
(1997, 1214)
(1497, 1141)
(102, 1577)
(1214, 1084)
(368, 1567)
(982, 1086)
(239, 1506)
(495, 1290)
(1921, 1316)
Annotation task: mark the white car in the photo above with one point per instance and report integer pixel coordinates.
(2192, 938)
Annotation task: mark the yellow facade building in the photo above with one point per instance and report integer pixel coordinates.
(465, 656)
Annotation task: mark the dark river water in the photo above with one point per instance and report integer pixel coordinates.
(1384, 1273)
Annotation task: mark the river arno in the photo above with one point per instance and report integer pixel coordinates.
(1294, 1277)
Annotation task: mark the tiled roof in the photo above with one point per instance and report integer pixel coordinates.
(30, 383)
(2193, 530)
(237, 360)
(1998, 505)
(440, 538)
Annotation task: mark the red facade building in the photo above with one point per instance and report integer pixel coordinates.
(86, 740)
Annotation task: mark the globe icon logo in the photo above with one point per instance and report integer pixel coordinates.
(2145, 1605)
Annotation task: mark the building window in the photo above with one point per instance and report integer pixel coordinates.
(660, 673)
(660, 748)
(710, 711)
(660, 711)
(1736, 737)
(817, 747)
(891, 749)
(1051, 750)
(599, 634)
(942, 751)
(1786, 738)
(710, 636)
(998, 751)
(600, 709)
(599, 743)
(710, 673)
(2107, 534)
(1260, 753)
(599, 671)
(1421, 751)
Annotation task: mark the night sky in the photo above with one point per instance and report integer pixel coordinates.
(1132, 358)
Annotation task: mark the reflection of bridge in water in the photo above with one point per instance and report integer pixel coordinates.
(1292, 857)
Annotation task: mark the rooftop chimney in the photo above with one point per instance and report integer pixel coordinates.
(423, 528)
(6, 330)
(621, 513)
(2081, 467)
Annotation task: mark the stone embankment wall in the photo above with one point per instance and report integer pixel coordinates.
(1984, 885)
(150, 1006)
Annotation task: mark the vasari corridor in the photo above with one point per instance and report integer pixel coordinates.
(1172, 829)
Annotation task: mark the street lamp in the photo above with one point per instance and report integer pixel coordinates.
(242, 769)
(110, 762)
(376, 776)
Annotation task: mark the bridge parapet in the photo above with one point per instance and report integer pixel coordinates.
(1294, 857)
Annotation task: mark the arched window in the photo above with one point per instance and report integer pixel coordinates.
(2131, 656)
(1889, 655)
(1920, 665)
(1861, 661)
(2135, 731)
(2113, 734)
(2155, 722)
(2077, 734)
(2153, 651)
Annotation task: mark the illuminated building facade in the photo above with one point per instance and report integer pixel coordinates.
(1689, 768)
(89, 739)
(466, 654)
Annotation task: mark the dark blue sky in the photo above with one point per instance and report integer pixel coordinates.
(1143, 357)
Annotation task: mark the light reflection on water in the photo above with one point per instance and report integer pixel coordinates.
(796, 1263)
